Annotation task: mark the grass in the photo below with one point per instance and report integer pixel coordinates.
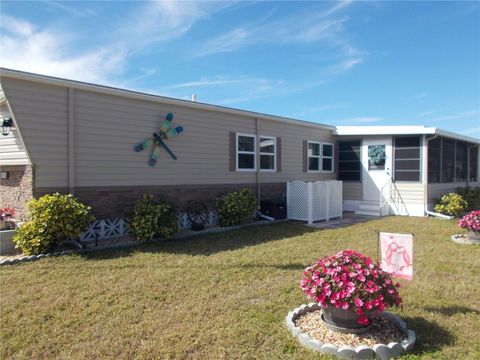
(225, 296)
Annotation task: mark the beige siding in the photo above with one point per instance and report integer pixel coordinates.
(292, 151)
(352, 191)
(106, 128)
(411, 193)
(41, 115)
(12, 151)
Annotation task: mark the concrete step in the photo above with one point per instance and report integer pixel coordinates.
(368, 212)
(369, 206)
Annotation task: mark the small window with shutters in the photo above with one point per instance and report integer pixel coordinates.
(268, 153)
(314, 156)
(246, 151)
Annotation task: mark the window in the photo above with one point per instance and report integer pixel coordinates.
(327, 157)
(376, 157)
(268, 150)
(313, 154)
(407, 158)
(246, 152)
(349, 165)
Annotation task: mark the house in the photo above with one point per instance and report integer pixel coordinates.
(70, 136)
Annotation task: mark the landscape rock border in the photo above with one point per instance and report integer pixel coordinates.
(382, 351)
(463, 239)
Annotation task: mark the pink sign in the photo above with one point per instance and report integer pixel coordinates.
(397, 254)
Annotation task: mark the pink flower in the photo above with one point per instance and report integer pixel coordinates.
(358, 302)
(363, 320)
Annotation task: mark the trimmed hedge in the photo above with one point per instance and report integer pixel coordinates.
(53, 219)
(236, 208)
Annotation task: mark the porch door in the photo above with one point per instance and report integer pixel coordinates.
(376, 165)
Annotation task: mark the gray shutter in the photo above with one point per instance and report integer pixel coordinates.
(279, 154)
(232, 166)
(305, 157)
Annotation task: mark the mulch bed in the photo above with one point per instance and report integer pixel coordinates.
(383, 331)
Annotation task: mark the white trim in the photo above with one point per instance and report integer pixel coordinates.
(314, 156)
(254, 152)
(50, 80)
(328, 157)
(274, 154)
(400, 130)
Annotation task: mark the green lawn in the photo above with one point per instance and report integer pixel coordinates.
(225, 296)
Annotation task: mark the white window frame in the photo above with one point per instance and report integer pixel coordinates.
(319, 156)
(274, 154)
(328, 157)
(254, 152)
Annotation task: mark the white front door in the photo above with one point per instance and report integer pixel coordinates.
(376, 165)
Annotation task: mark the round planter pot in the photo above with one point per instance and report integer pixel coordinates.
(342, 320)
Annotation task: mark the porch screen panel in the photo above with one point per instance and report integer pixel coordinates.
(461, 161)
(448, 160)
(407, 158)
(434, 160)
(473, 169)
(349, 164)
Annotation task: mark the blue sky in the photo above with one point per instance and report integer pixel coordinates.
(339, 63)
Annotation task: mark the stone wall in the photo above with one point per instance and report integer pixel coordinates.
(117, 202)
(17, 190)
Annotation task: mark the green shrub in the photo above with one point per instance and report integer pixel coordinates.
(236, 208)
(152, 221)
(471, 195)
(451, 204)
(53, 219)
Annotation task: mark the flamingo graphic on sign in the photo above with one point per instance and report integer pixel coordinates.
(397, 254)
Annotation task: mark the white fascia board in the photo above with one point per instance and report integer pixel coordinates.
(400, 130)
(383, 130)
(50, 80)
(458, 136)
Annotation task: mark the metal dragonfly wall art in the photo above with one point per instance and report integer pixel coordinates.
(158, 140)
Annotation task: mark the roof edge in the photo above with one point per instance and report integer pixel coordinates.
(51, 80)
(400, 130)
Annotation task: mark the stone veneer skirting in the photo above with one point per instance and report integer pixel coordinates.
(17, 190)
(117, 202)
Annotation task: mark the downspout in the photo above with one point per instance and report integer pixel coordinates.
(257, 159)
(425, 172)
(71, 140)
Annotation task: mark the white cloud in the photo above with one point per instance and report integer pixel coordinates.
(25, 47)
(53, 51)
(83, 12)
(296, 28)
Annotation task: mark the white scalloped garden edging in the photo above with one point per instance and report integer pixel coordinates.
(382, 351)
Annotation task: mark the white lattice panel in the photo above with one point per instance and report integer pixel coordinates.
(297, 200)
(112, 228)
(314, 201)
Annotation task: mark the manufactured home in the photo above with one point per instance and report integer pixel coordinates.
(96, 142)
